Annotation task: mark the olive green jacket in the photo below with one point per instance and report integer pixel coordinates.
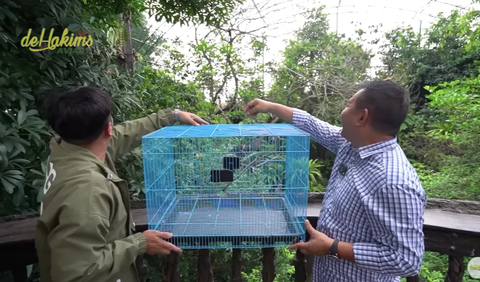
(85, 231)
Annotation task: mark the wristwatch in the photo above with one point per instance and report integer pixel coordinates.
(175, 114)
(333, 252)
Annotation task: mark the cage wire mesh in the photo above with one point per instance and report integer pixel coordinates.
(227, 186)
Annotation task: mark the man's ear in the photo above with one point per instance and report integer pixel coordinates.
(109, 129)
(364, 115)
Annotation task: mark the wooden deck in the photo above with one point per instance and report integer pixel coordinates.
(446, 232)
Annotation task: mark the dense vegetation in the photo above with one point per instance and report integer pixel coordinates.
(318, 72)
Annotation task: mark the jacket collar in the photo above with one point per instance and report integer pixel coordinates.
(377, 148)
(61, 149)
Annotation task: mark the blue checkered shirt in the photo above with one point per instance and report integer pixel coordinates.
(377, 205)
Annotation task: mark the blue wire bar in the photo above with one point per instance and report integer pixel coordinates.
(227, 185)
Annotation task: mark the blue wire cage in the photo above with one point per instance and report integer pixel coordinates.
(227, 186)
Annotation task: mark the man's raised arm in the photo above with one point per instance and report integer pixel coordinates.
(324, 133)
(128, 135)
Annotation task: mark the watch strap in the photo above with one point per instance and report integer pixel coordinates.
(334, 248)
(175, 114)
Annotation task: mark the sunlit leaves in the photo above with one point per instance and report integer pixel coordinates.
(460, 101)
(319, 69)
(184, 12)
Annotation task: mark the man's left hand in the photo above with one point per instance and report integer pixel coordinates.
(319, 243)
(190, 119)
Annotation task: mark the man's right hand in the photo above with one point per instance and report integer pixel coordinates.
(257, 106)
(156, 243)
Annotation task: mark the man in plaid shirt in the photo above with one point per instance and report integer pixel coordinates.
(370, 225)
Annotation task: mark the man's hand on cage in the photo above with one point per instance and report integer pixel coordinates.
(190, 119)
(319, 243)
(156, 243)
(257, 106)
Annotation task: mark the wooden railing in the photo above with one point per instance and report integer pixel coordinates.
(451, 228)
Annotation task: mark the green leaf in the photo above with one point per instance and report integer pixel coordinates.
(36, 172)
(74, 27)
(12, 172)
(33, 133)
(18, 30)
(18, 196)
(38, 183)
(21, 117)
(32, 112)
(2, 130)
(9, 187)
(21, 161)
(51, 73)
(9, 14)
(43, 65)
(10, 3)
(27, 96)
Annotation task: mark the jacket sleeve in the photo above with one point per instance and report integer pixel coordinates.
(80, 251)
(128, 135)
(395, 214)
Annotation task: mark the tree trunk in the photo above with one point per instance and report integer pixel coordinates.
(128, 50)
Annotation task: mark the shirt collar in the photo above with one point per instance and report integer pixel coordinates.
(377, 148)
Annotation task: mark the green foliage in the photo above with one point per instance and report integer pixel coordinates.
(25, 77)
(318, 73)
(459, 102)
(458, 118)
(434, 268)
(314, 74)
(283, 258)
(446, 51)
(315, 176)
(188, 11)
(179, 11)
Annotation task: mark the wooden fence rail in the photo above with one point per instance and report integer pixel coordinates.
(451, 228)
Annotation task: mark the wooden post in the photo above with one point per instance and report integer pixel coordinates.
(170, 268)
(142, 268)
(268, 271)
(456, 268)
(309, 267)
(413, 279)
(237, 265)
(205, 273)
(300, 269)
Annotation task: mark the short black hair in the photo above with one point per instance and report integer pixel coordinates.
(79, 115)
(387, 104)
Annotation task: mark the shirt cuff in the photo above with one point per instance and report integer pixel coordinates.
(366, 255)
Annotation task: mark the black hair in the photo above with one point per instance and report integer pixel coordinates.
(79, 115)
(387, 104)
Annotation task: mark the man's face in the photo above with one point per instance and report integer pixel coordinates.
(351, 118)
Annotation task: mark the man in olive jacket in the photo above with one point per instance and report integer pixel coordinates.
(86, 231)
